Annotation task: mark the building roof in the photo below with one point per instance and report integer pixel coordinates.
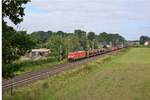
(41, 50)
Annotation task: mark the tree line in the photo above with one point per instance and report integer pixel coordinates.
(61, 43)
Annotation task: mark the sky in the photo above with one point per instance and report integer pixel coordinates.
(129, 18)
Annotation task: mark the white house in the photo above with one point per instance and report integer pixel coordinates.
(39, 52)
(147, 43)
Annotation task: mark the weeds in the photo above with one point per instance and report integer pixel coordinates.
(21, 67)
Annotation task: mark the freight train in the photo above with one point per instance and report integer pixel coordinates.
(73, 56)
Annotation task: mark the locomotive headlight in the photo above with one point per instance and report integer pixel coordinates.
(70, 56)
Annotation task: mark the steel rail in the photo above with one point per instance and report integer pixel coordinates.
(42, 74)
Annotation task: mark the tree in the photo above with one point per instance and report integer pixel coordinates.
(92, 40)
(91, 36)
(60, 33)
(61, 46)
(143, 39)
(41, 36)
(71, 43)
(114, 39)
(103, 37)
(14, 44)
(82, 35)
(55, 43)
(13, 10)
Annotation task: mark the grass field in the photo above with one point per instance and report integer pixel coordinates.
(125, 76)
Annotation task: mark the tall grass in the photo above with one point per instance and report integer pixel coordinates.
(27, 63)
(20, 67)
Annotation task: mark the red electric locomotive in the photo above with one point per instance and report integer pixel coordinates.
(76, 55)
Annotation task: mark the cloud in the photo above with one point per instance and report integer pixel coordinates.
(128, 17)
(120, 8)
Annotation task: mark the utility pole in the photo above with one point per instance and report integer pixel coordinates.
(60, 52)
(12, 88)
(12, 83)
(87, 45)
(60, 49)
(93, 44)
(68, 48)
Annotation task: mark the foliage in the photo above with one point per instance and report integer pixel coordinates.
(55, 42)
(91, 36)
(71, 43)
(114, 39)
(82, 39)
(26, 66)
(61, 43)
(14, 10)
(14, 44)
(41, 36)
(143, 39)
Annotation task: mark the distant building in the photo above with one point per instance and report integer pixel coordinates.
(147, 43)
(39, 52)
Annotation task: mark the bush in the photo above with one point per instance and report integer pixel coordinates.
(20, 66)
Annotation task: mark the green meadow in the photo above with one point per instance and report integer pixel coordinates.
(121, 76)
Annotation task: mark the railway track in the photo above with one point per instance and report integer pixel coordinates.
(30, 77)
